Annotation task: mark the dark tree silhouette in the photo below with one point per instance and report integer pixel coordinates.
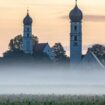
(98, 50)
(17, 42)
(58, 50)
(35, 40)
(60, 53)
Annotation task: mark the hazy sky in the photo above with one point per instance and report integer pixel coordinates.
(50, 22)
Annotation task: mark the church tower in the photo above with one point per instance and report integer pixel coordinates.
(27, 34)
(76, 35)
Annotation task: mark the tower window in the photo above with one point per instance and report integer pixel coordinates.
(75, 28)
(28, 35)
(75, 38)
(75, 44)
(28, 29)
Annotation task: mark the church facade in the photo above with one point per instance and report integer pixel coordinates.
(88, 60)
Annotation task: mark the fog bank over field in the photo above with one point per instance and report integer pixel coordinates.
(48, 80)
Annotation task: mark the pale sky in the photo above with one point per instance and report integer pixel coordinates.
(50, 22)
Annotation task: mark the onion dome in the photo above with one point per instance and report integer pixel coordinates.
(76, 14)
(27, 20)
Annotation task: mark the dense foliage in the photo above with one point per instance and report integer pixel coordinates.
(99, 51)
(51, 100)
(17, 42)
(60, 53)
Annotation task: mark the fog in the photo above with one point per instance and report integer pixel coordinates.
(43, 80)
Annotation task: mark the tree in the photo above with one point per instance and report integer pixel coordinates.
(35, 40)
(58, 50)
(98, 50)
(17, 42)
(60, 53)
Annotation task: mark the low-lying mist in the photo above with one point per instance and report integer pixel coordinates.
(50, 79)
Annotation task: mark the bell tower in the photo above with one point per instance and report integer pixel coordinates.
(76, 34)
(27, 34)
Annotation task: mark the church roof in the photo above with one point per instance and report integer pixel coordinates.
(40, 47)
(90, 59)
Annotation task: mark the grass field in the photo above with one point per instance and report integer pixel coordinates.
(51, 100)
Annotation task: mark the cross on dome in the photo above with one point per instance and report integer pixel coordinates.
(75, 3)
(27, 11)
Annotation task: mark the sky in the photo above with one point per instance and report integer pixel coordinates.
(50, 21)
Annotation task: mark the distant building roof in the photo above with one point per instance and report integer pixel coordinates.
(40, 47)
(91, 60)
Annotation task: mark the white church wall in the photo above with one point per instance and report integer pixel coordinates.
(49, 52)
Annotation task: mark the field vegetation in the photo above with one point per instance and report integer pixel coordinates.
(51, 100)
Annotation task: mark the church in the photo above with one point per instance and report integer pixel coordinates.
(88, 60)
(28, 47)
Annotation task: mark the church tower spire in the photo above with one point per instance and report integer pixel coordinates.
(76, 34)
(75, 2)
(27, 34)
(27, 11)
